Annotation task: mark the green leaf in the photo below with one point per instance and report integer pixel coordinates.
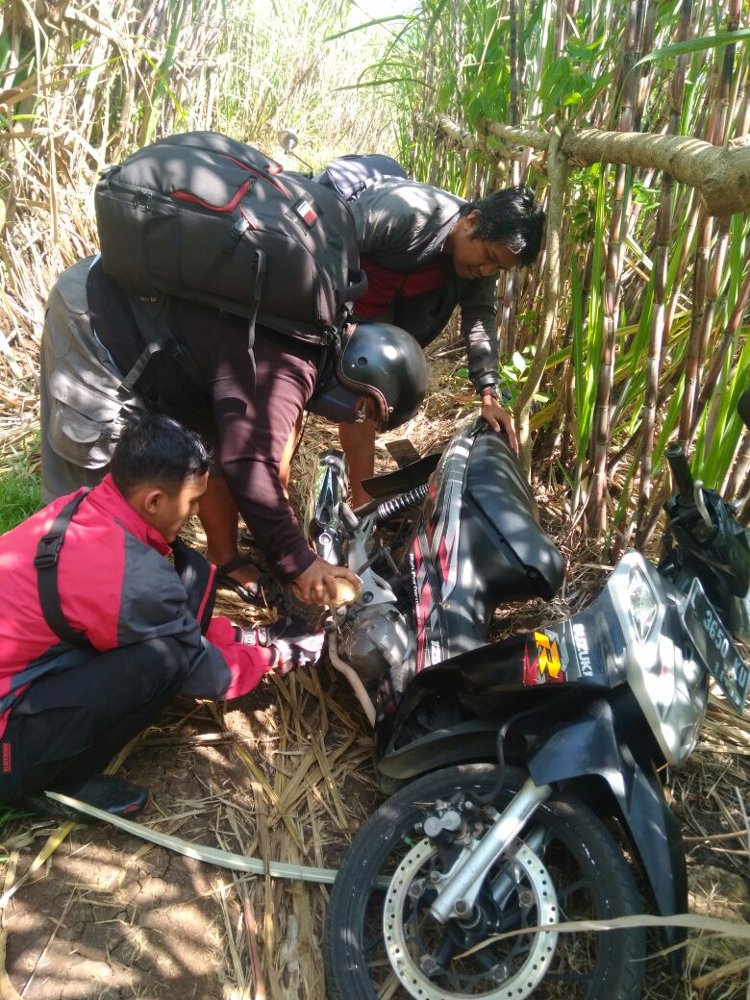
(695, 45)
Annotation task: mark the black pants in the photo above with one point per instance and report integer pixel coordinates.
(70, 723)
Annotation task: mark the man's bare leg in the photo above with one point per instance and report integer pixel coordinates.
(218, 514)
(358, 442)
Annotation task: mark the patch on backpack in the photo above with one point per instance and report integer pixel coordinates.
(306, 211)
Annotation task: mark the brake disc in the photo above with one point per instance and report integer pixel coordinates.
(530, 876)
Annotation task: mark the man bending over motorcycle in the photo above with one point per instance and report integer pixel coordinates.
(426, 251)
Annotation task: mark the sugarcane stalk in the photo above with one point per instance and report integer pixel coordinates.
(596, 506)
(693, 359)
(567, 416)
(660, 321)
(741, 468)
(558, 173)
(706, 279)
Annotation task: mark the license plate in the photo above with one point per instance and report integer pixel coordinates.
(715, 646)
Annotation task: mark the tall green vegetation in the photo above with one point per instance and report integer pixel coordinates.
(650, 333)
(648, 336)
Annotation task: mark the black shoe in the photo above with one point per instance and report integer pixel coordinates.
(105, 791)
(262, 593)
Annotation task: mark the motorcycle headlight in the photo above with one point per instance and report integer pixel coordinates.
(643, 604)
(657, 663)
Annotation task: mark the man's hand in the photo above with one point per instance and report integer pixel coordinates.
(296, 646)
(291, 642)
(317, 585)
(498, 419)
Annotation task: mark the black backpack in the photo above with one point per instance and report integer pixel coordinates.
(204, 217)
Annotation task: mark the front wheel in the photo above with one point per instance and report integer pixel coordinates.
(382, 941)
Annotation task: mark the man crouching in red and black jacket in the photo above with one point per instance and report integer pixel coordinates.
(99, 629)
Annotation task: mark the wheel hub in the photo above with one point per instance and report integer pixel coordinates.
(416, 943)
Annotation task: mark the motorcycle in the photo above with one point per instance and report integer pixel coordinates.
(529, 799)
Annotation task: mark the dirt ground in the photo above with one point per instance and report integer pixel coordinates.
(285, 774)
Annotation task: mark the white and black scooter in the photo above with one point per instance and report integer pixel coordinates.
(530, 793)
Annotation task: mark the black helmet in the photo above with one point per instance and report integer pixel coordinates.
(386, 364)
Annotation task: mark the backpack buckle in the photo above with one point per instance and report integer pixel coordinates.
(48, 551)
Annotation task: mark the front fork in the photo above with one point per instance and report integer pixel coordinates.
(457, 893)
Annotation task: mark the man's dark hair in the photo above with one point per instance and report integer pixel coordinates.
(159, 450)
(510, 217)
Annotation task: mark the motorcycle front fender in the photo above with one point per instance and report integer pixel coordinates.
(460, 743)
(589, 746)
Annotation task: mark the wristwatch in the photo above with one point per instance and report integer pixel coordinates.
(489, 390)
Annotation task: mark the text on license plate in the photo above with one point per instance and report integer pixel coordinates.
(715, 646)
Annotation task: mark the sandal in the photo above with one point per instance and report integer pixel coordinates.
(262, 593)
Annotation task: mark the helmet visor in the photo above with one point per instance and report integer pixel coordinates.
(339, 404)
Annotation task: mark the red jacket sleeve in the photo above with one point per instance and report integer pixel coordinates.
(247, 664)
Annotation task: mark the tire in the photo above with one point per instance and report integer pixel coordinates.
(572, 849)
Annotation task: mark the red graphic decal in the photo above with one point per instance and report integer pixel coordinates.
(530, 669)
(443, 559)
(545, 667)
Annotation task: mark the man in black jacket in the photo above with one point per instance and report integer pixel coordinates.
(425, 252)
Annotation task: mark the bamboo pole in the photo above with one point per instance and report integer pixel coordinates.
(721, 174)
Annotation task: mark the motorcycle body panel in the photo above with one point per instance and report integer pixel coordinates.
(631, 634)
(590, 745)
(476, 545)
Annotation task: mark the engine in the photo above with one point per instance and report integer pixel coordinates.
(373, 640)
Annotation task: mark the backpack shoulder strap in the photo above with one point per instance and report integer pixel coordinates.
(45, 561)
(151, 319)
(150, 316)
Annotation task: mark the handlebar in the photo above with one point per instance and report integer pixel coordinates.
(681, 474)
